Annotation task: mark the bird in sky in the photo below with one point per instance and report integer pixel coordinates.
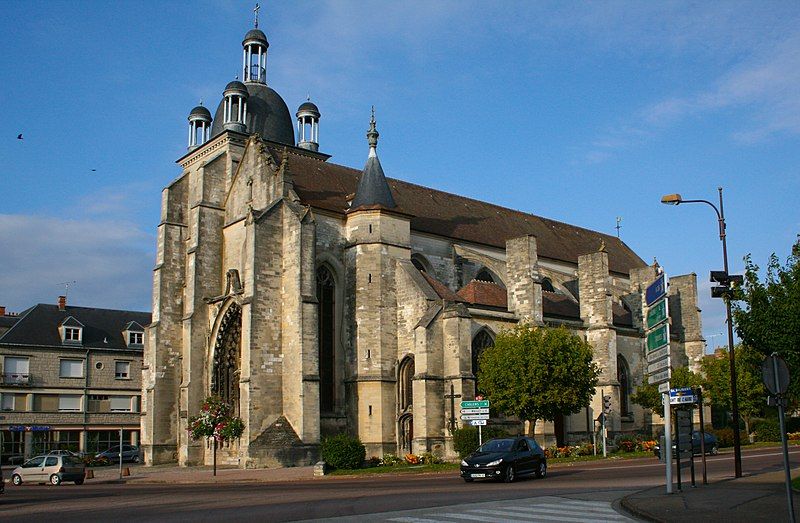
(94, 170)
(19, 137)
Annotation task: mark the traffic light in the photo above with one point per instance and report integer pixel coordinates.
(726, 282)
(607, 404)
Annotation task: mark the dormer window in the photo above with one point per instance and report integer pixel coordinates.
(71, 331)
(133, 334)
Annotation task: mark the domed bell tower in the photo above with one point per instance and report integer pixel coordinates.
(235, 113)
(199, 126)
(308, 126)
(254, 54)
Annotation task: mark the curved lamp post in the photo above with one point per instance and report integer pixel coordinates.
(675, 199)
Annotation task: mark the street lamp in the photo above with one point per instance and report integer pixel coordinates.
(724, 279)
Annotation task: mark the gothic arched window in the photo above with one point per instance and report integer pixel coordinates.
(484, 275)
(623, 377)
(480, 342)
(547, 285)
(326, 287)
(405, 393)
(227, 354)
(420, 262)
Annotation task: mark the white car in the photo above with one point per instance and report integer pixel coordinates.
(49, 468)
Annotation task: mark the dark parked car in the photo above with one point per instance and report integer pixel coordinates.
(712, 446)
(505, 459)
(129, 453)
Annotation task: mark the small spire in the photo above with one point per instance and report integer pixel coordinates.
(255, 11)
(372, 135)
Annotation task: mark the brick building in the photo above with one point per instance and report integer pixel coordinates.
(318, 299)
(71, 378)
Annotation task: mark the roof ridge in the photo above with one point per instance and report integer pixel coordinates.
(483, 202)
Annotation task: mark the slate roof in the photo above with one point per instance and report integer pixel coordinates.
(267, 115)
(373, 190)
(325, 185)
(102, 328)
(6, 321)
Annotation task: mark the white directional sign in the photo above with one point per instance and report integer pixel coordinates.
(658, 377)
(659, 365)
(664, 387)
(474, 416)
(656, 355)
(478, 422)
(475, 411)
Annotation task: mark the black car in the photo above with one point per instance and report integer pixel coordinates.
(712, 446)
(506, 459)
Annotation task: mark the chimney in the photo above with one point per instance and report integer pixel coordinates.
(62, 303)
(2, 310)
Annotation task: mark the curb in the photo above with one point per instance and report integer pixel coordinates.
(631, 509)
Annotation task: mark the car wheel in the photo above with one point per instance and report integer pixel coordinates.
(55, 480)
(135, 459)
(16, 479)
(542, 471)
(510, 474)
(714, 450)
(79, 482)
(468, 480)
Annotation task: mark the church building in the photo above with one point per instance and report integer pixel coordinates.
(319, 299)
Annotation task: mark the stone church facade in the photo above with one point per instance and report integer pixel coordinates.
(320, 299)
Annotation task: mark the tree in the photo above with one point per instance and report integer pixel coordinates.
(750, 391)
(538, 373)
(647, 395)
(767, 313)
(215, 422)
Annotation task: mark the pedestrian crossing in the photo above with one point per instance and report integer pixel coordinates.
(540, 509)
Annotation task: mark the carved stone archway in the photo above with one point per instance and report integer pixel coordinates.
(227, 357)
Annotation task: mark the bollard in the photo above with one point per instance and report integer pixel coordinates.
(126, 471)
(89, 474)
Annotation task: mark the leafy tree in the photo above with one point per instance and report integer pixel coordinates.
(647, 395)
(538, 373)
(750, 391)
(767, 313)
(215, 422)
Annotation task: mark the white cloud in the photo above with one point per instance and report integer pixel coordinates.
(110, 261)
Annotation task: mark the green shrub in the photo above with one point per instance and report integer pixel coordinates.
(627, 442)
(428, 458)
(343, 452)
(465, 439)
(767, 430)
(585, 449)
(725, 437)
(390, 460)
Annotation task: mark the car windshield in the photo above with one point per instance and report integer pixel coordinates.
(497, 445)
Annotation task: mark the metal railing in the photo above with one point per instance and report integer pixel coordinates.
(14, 378)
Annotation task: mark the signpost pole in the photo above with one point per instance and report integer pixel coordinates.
(784, 443)
(668, 440)
(603, 424)
(699, 395)
(120, 453)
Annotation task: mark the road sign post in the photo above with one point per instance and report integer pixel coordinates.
(657, 355)
(775, 375)
(476, 412)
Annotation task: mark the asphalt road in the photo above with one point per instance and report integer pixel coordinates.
(337, 497)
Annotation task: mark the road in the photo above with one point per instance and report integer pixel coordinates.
(334, 497)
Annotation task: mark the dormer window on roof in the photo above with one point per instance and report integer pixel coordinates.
(133, 334)
(71, 331)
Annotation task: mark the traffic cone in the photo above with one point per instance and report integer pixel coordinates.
(89, 474)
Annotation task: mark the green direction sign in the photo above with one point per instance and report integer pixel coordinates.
(480, 404)
(658, 337)
(657, 314)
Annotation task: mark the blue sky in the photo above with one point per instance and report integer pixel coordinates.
(579, 112)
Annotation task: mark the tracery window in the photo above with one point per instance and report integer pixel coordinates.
(484, 275)
(623, 377)
(405, 394)
(227, 354)
(326, 294)
(480, 342)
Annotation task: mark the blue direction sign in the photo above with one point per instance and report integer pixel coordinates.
(681, 395)
(656, 290)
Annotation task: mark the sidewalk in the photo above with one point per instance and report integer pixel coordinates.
(760, 497)
(175, 474)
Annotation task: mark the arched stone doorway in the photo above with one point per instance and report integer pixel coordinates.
(227, 357)
(405, 405)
